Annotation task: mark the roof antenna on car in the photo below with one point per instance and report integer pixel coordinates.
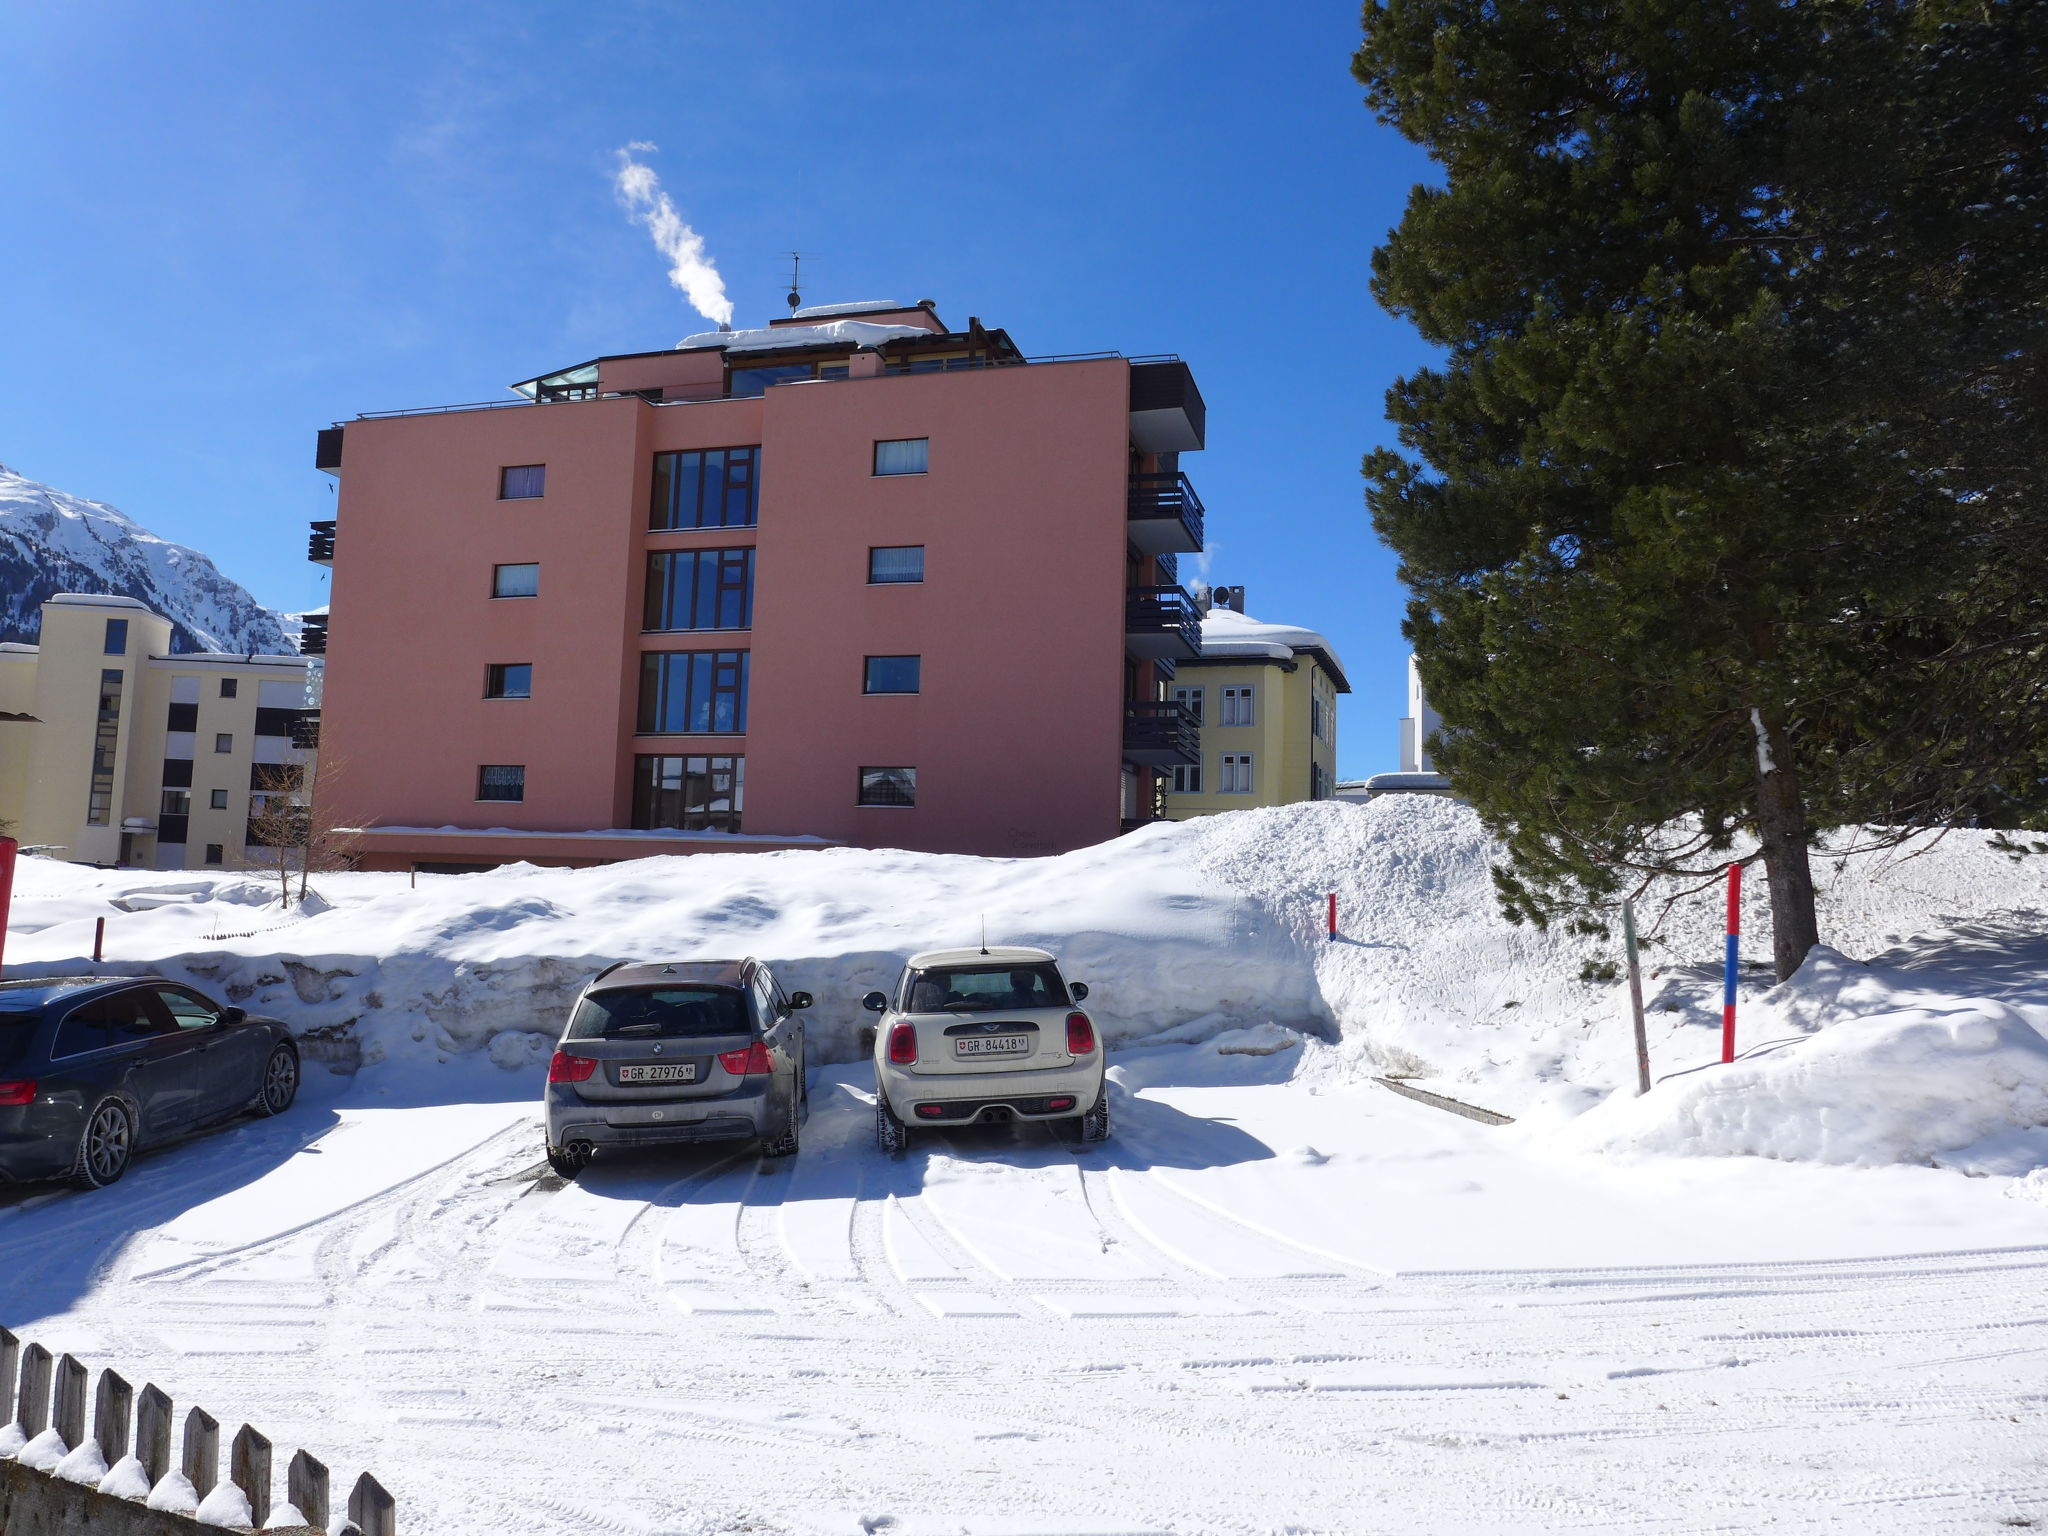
(984, 933)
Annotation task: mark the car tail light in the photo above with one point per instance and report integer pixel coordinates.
(20, 1092)
(931, 1111)
(564, 1068)
(902, 1045)
(1080, 1035)
(1055, 1105)
(746, 1063)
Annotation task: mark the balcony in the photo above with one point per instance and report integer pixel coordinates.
(306, 730)
(1165, 515)
(320, 547)
(1167, 414)
(313, 637)
(1161, 622)
(1161, 734)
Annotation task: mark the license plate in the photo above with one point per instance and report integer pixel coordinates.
(680, 1072)
(992, 1045)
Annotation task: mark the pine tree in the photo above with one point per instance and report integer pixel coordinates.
(1724, 512)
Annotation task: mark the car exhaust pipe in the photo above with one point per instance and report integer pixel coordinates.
(582, 1151)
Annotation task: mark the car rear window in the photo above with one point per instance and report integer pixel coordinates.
(986, 988)
(660, 1013)
(16, 1031)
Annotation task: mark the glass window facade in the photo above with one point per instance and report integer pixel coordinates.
(891, 674)
(702, 693)
(748, 382)
(508, 680)
(892, 563)
(522, 482)
(106, 744)
(904, 456)
(501, 781)
(699, 589)
(695, 794)
(515, 581)
(706, 488)
(888, 786)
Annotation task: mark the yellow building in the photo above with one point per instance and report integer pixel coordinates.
(115, 751)
(1266, 697)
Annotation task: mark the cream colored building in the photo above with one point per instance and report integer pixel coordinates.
(1266, 696)
(113, 750)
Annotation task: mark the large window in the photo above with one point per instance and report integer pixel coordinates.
(706, 488)
(515, 581)
(903, 456)
(890, 564)
(745, 383)
(699, 589)
(695, 794)
(1237, 774)
(501, 781)
(1237, 706)
(522, 482)
(693, 693)
(508, 680)
(891, 674)
(888, 786)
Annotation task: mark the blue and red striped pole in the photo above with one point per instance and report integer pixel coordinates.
(1734, 955)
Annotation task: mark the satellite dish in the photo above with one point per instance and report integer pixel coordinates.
(795, 299)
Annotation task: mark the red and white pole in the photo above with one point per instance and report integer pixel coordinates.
(9, 848)
(1734, 957)
(1333, 918)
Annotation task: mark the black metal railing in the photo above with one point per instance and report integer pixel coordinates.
(1161, 733)
(306, 732)
(320, 547)
(1165, 513)
(1162, 621)
(313, 635)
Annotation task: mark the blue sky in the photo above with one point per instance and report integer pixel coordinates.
(229, 224)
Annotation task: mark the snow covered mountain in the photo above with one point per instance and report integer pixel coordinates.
(52, 542)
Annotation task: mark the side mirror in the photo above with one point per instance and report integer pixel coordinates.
(1079, 989)
(875, 1002)
(799, 999)
(233, 1015)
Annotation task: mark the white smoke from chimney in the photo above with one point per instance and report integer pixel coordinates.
(691, 271)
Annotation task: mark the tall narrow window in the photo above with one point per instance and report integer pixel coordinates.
(693, 794)
(892, 674)
(1237, 774)
(903, 456)
(501, 781)
(522, 482)
(890, 564)
(117, 637)
(508, 680)
(1237, 706)
(515, 581)
(706, 488)
(888, 786)
(699, 589)
(698, 693)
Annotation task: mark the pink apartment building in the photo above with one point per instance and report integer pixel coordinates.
(855, 577)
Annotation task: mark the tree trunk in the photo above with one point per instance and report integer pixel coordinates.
(1781, 828)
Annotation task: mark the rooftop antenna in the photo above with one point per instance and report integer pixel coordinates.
(796, 267)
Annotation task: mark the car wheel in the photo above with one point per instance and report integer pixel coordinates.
(566, 1163)
(891, 1134)
(1095, 1124)
(785, 1145)
(106, 1145)
(280, 1082)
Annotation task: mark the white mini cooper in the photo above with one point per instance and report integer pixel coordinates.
(985, 1034)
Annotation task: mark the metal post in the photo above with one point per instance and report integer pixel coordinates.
(10, 1364)
(1635, 997)
(32, 1404)
(305, 1483)
(99, 939)
(69, 1412)
(113, 1406)
(9, 849)
(153, 1433)
(202, 1451)
(249, 1469)
(372, 1508)
(1734, 959)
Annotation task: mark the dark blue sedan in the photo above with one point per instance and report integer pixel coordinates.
(93, 1069)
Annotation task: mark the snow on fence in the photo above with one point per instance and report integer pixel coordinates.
(48, 1436)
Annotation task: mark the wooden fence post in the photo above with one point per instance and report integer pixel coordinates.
(32, 1404)
(249, 1467)
(202, 1451)
(112, 1406)
(306, 1487)
(10, 1363)
(69, 1411)
(153, 1433)
(372, 1508)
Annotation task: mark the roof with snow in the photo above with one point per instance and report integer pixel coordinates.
(94, 600)
(858, 307)
(833, 333)
(1230, 635)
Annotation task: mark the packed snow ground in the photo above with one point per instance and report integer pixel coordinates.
(1282, 1298)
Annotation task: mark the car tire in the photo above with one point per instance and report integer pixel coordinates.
(891, 1134)
(1094, 1126)
(786, 1144)
(566, 1163)
(106, 1146)
(280, 1082)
